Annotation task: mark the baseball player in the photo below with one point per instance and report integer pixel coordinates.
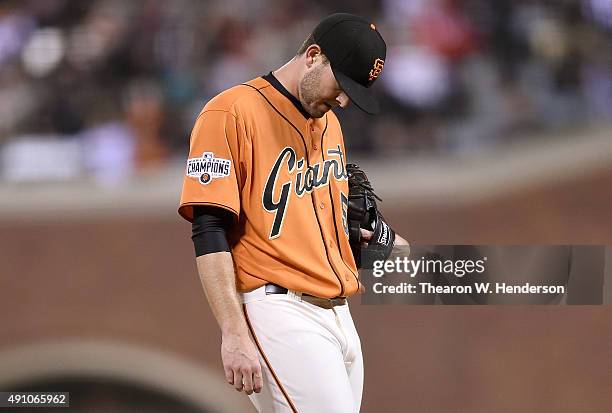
(266, 189)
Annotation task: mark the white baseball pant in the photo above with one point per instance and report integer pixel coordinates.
(310, 356)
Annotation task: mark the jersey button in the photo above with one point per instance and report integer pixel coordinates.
(346, 277)
(315, 147)
(322, 205)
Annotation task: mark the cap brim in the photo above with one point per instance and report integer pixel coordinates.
(360, 95)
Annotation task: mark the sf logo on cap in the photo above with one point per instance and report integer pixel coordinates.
(376, 69)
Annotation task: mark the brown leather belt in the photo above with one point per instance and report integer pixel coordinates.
(326, 303)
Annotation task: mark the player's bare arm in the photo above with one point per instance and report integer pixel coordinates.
(400, 241)
(238, 353)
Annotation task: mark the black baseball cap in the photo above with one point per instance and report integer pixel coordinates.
(356, 52)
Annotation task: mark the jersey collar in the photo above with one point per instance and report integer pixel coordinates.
(270, 78)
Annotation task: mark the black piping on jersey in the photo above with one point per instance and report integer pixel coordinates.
(270, 78)
(312, 193)
(331, 199)
(192, 204)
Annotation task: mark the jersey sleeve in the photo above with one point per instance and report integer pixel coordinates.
(213, 165)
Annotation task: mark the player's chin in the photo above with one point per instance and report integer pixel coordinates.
(320, 110)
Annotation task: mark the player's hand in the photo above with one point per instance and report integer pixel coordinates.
(241, 363)
(367, 235)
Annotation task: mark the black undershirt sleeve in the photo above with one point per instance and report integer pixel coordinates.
(209, 229)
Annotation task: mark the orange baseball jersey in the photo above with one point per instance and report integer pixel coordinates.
(255, 152)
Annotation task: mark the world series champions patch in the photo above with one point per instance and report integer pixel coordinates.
(207, 167)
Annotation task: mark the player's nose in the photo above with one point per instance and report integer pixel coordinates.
(343, 100)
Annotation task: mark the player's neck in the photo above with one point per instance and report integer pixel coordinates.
(288, 76)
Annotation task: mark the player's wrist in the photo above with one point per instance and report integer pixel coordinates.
(234, 332)
(399, 241)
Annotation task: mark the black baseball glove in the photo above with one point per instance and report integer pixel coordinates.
(363, 213)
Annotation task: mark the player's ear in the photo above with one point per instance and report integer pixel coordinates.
(312, 54)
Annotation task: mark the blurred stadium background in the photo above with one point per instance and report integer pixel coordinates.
(496, 128)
